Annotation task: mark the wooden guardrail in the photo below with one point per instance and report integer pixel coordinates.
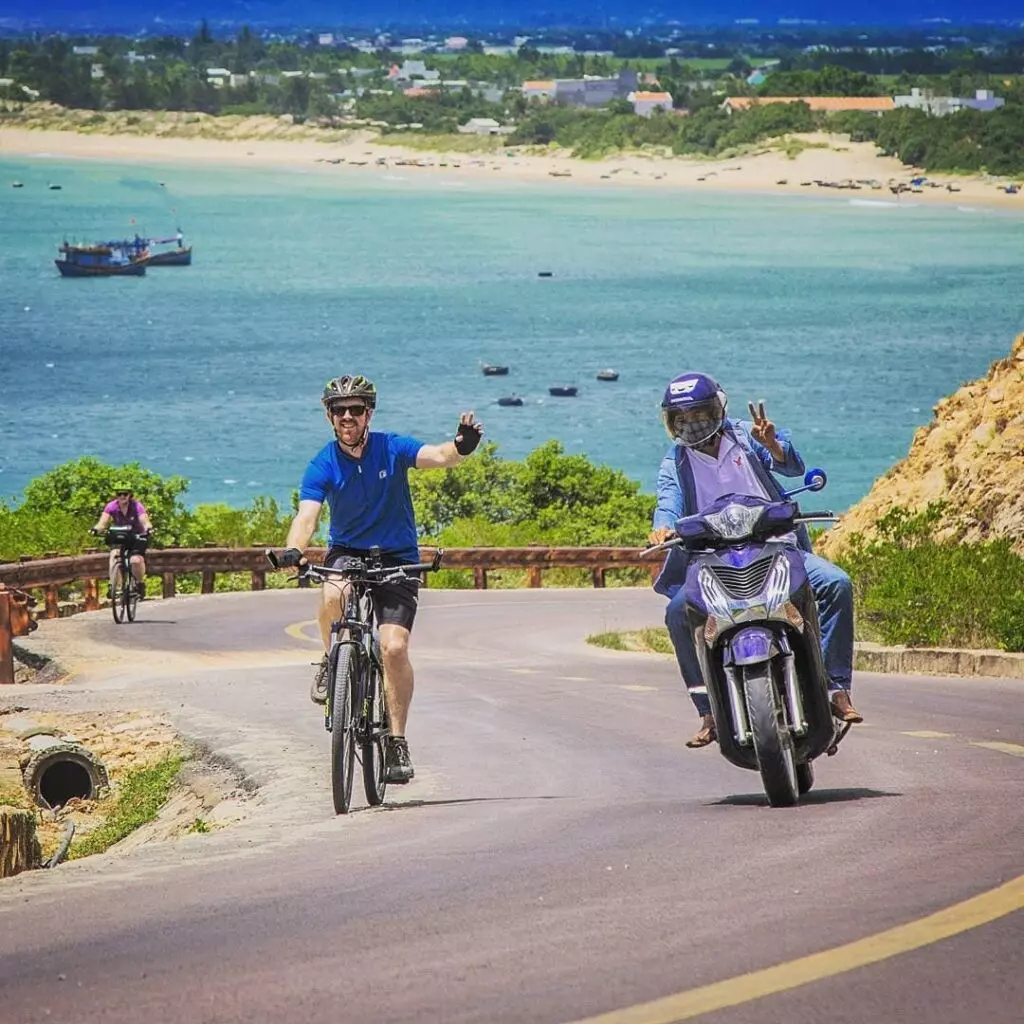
(50, 573)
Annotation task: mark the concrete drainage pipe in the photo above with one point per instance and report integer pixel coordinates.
(62, 771)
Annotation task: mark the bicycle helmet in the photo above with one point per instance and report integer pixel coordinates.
(350, 386)
(123, 485)
(693, 409)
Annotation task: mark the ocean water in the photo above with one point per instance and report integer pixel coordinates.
(849, 318)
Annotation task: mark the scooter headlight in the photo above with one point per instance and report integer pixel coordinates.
(735, 521)
(776, 588)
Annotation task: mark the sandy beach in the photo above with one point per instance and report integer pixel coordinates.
(827, 158)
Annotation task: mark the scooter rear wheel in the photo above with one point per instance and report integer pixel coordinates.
(804, 777)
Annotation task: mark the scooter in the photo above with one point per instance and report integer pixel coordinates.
(755, 621)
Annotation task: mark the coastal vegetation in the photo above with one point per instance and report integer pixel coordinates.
(914, 586)
(322, 91)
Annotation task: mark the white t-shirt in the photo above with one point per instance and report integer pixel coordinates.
(730, 473)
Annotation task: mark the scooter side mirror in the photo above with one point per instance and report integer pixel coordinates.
(815, 479)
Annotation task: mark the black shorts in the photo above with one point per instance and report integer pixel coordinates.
(393, 603)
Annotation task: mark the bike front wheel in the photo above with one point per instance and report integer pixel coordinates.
(117, 598)
(374, 781)
(344, 669)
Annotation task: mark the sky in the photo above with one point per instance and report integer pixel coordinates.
(612, 13)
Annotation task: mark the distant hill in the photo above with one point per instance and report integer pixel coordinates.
(971, 455)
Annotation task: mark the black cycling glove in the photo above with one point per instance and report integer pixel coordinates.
(467, 437)
(290, 556)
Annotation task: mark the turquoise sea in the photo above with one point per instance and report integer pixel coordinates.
(850, 317)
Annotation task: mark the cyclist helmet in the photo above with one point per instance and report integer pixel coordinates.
(693, 409)
(123, 487)
(350, 387)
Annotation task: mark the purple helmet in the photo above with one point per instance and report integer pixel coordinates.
(693, 409)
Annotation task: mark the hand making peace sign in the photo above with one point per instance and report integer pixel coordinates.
(764, 430)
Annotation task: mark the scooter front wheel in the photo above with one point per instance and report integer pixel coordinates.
(773, 743)
(804, 777)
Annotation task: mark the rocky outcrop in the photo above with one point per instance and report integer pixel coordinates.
(971, 455)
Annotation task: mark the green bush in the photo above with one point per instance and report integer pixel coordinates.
(915, 590)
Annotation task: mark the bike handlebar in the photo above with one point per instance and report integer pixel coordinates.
(357, 568)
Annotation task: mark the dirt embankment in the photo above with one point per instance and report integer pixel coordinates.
(971, 455)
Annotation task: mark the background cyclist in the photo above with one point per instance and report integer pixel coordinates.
(363, 476)
(125, 510)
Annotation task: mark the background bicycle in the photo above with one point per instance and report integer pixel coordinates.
(124, 588)
(355, 712)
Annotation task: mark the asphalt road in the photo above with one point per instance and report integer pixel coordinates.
(559, 856)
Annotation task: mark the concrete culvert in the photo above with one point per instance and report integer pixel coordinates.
(63, 772)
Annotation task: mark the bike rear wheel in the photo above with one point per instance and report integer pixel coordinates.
(374, 781)
(344, 669)
(773, 742)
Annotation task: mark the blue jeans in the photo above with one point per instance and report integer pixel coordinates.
(833, 592)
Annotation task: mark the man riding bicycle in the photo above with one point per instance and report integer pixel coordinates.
(363, 476)
(125, 510)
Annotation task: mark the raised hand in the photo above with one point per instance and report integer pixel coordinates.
(764, 430)
(468, 434)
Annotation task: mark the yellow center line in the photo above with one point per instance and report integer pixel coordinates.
(928, 734)
(1015, 749)
(961, 917)
(297, 630)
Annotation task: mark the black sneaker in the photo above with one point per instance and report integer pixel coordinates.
(318, 691)
(398, 767)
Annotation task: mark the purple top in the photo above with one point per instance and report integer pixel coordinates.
(135, 511)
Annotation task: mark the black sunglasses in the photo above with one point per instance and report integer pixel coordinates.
(353, 410)
(123, 494)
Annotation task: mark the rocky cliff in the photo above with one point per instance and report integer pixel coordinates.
(971, 454)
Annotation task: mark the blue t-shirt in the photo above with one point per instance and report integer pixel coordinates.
(369, 497)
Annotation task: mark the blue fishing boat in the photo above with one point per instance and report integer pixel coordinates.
(102, 260)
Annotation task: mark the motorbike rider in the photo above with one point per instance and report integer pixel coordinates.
(363, 476)
(713, 455)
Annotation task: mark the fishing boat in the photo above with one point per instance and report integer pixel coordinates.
(99, 261)
(607, 374)
(564, 391)
(490, 370)
(179, 256)
(510, 400)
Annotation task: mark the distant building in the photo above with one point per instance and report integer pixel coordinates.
(411, 69)
(483, 126)
(939, 106)
(325, 39)
(96, 72)
(646, 103)
(828, 104)
(85, 51)
(455, 43)
(595, 92)
(538, 90)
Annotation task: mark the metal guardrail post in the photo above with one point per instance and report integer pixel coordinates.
(92, 601)
(208, 580)
(597, 575)
(6, 641)
(52, 606)
(258, 580)
(480, 579)
(533, 576)
(167, 584)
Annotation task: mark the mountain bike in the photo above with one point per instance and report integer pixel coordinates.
(355, 712)
(124, 589)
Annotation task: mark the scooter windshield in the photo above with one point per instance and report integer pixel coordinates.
(735, 517)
